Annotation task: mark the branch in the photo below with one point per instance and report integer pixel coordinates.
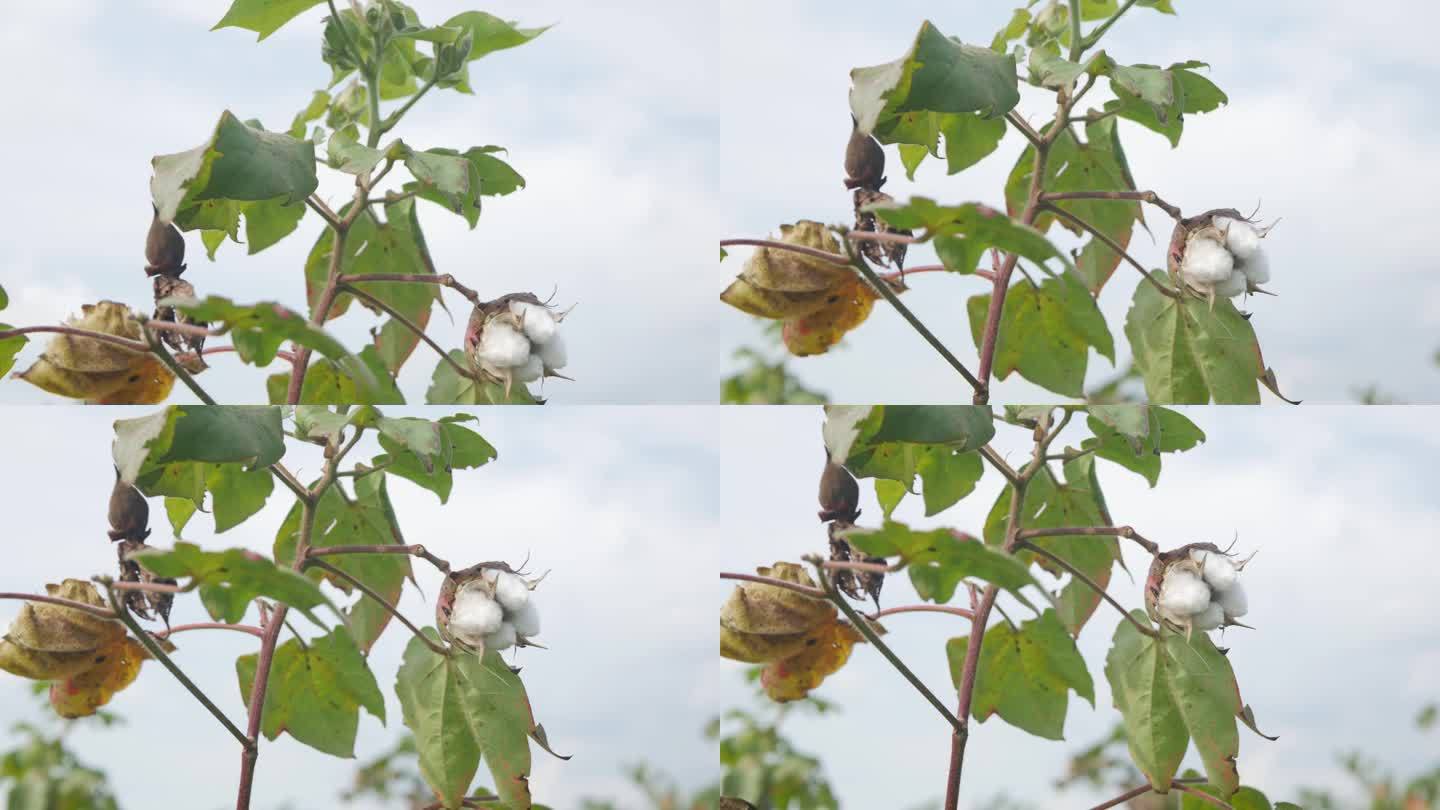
(126, 343)
(97, 612)
(876, 236)
(159, 350)
(319, 206)
(345, 34)
(999, 463)
(1201, 795)
(1077, 43)
(924, 609)
(1136, 793)
(415, 550)
(159, 654)
(413, 327)
(181, 628)
(824, 255)
(394, 118)
(444, 280)
(1024, 126)
(813, 593)
(1094, 36)
(1101, 531)
(373, 594)
(1078, 574)
(874, 568)
(1131, 196)
(288, 357)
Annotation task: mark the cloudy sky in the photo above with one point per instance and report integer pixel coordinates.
(609, 117)
(625, 527)
(1328, 128)
(1339, 504)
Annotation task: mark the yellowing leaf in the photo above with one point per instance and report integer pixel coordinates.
(844, 310)
(98, 372)
(52, 642)
(781, 284)
(825, 652)
(760, 622)
(115, 667)
(774, 304)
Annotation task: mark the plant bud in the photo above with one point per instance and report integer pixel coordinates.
(129, 512)
(164, 247)
(839, 493)
(864, 160)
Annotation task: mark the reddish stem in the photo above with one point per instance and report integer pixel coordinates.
(98, 612)
(814, 593)
(181, 628)
(954, 611)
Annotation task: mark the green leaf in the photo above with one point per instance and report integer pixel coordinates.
(1134, 436)
(460, 708)
(889, 493)
(447, 387)
(316, 691)
(976, 226)
(940, 558)
(247, 434)
(1046, 333)
(969, 138)
(937, 74)
(230, 579)
(239, 162)
(489, 176)
(1170, 691)
(319, 103)
(419, 436)
(1190, 93)
(460, 448)
(1092, 165)
(9, 347)
(237, 493)
(947, 476)
(269, 221)
(1025, 675)
(490, 33)
(264, 17)
(1190, 352)
(179, 511)
(961, 427)
(443, 172)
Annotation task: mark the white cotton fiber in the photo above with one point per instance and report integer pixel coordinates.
(533, 370)
(552, 354)
(526, 620)
(1233, 601)
(1183, 593)
(1257, 267)
(1240, 236)
(502, 346)
(474, 616)
(1217, 569)
(1206, 261)
(502, 639)
(539, 324)
(1232, 286)
(1211, 618)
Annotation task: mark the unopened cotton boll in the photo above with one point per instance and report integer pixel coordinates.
(1233, 601)
(1183, 593)
(1240, 236)
(533, 370)
(1257, 267)
(1209, 619)
(1217, 569)
(502, 346)
(526, 620)
(538, 323)
(502, 639)
(1206, 261)
(1232, 286)
(510, 590)
(552, 353)
(474, 616)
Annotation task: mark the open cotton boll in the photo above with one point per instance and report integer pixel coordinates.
(502, 346)
(1206, 261)
(474, 616)
(1232, 286)
(1240, 236)
(502, 639)
(526, 620)
(1257, 267)
(533, 370)
(510, 590)
(1217, 569)
(1209, 619)
(552, 353)
(539, 324)
(1233, 601)
(1182, 592)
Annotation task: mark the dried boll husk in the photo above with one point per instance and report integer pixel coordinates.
(864, 160)
(129, 512)
(839, 493)
(142, 602)
(495, 581)
(174, 287)
(1192, 560)
(853, 583)
(498, 359)
(883, 253)
(1237, 235)
(164, 247)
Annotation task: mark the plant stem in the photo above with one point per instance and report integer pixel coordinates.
(159, 350)
(1077, 44)
(1080, 575)
(319, 206)
(1095, 35)
(1113, 245)
(989, 454)
(1102, 531)
(1024, 127)
(127, 343)
(322, 309)
(444, 280)
(415, 550)
(1137, 792)
(158, 653)
(394, 117)
(813, 593)
(373, 594)
(181, 628)
(954, 611)
(413, 327)
(862, 625)
(816, 253)
(1127, 196)
(1201, 795)
(97, 612)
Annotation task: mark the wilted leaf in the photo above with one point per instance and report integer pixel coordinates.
(115, 667)
(98, 372)
(824, 653)
(762, 622)
(52, 642)
(847, 307)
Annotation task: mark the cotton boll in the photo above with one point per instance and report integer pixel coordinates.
(1257, 267)
(474, 616)
(1233, 601)
(1232, 286)
(539, 324)
(533, 370)
(502, 639)
(552, 353)
(502, 346)
(1206, 261)
(1183, 593)
(1212, 618)
(1217, 569)
(510, 590)
(1240, 236)
(526, 620)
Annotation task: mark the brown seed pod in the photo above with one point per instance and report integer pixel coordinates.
(129, 512)
(864, 160)
(839, 493)
(883, 253)
(164, 247)
(173, 287)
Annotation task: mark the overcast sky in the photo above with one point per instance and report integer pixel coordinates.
(616, 503)
(1338, 502)
(1328, 127)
